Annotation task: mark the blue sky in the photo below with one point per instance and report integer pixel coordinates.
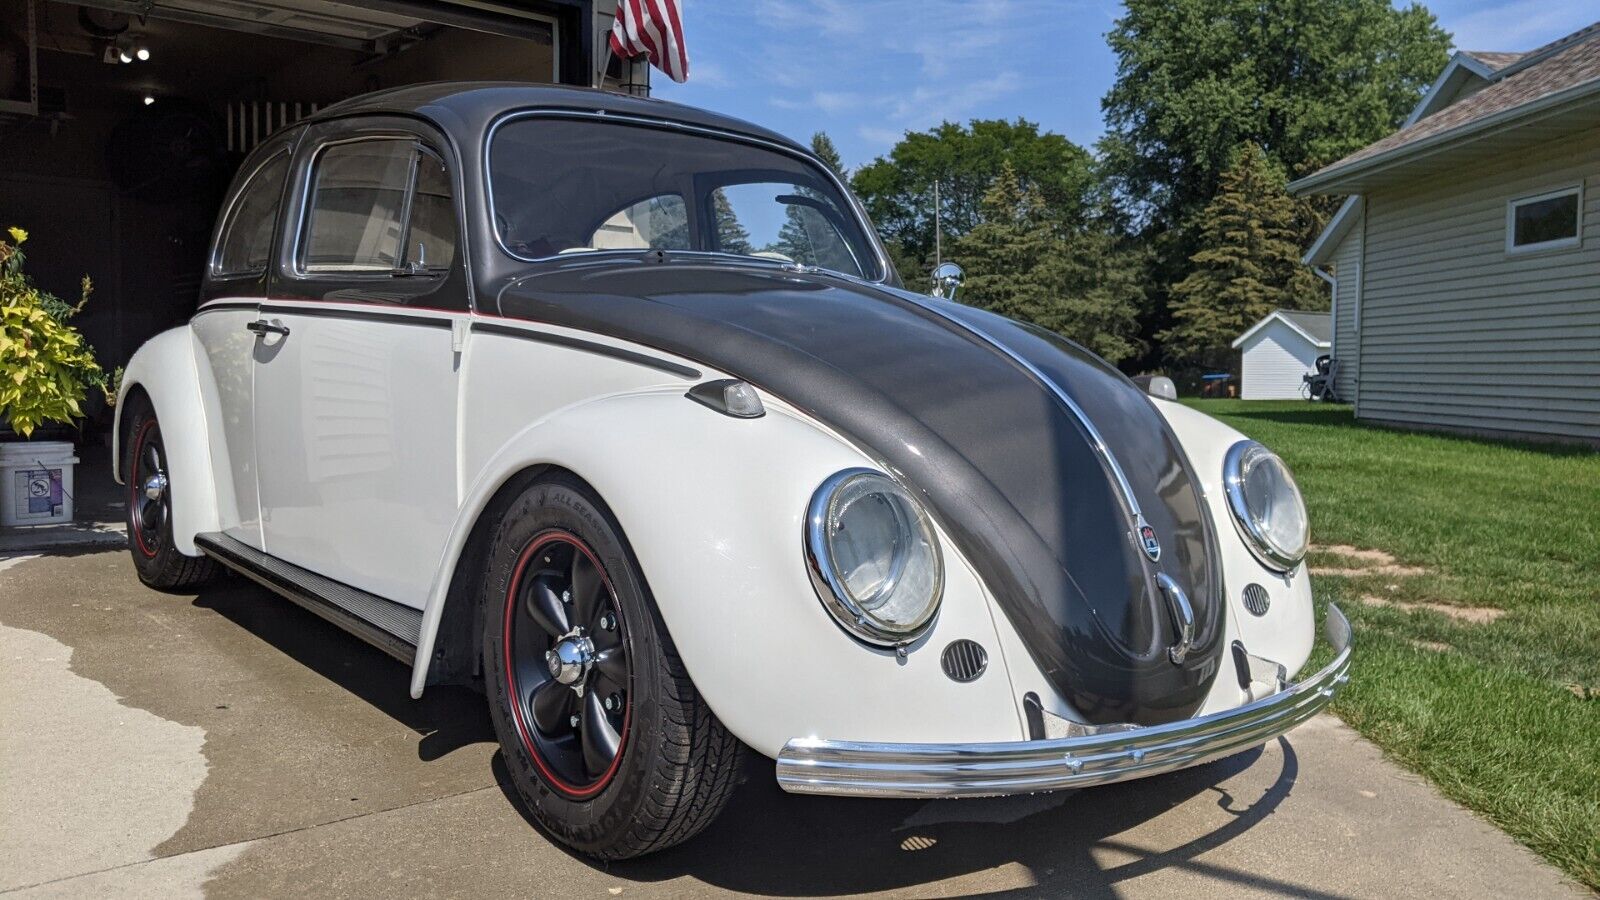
(866, 71)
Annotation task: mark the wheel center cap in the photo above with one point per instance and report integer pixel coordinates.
(570, 659)
(155, 486)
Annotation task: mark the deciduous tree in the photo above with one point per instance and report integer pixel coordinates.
(898, 189)
(1309, 81)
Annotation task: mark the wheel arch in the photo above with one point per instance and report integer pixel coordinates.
(167, 373)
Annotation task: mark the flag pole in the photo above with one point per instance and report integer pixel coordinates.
(938, 231)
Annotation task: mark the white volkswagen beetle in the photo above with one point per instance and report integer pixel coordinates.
(616, 409)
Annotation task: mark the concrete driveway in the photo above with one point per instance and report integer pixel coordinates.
(231, 745)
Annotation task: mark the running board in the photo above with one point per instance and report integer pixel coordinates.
(385, 624)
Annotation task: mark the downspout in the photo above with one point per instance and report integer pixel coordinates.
(1333, 310)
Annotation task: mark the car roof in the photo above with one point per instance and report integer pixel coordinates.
(453, 104)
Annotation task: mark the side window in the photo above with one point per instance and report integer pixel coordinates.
(781, 221)
(355, 219)
(431, 241)
(658, 223)
(245, 241)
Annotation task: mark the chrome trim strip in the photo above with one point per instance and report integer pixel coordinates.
(1099, 441)
(816, 766)
(868, 233)
(387, 315)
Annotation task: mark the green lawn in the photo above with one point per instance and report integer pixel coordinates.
(1503, 715)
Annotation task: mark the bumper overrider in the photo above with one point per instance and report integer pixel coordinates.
(1098, 756)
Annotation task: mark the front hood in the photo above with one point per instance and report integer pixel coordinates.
(962, 404)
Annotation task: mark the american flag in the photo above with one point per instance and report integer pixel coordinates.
(654, 28)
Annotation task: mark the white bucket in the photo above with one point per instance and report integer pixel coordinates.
(36, 482)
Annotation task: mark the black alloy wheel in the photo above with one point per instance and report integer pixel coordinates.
(568, 664)
(146, 470)
(605, 739)
(149, 495)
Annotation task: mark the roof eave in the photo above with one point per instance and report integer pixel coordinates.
(1321, 250)
(1278, 315)
(1430, 101)
(1336, 179)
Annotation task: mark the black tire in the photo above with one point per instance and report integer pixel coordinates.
(675, 765)
(158, 562)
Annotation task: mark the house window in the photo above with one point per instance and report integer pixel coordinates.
(1545, 221)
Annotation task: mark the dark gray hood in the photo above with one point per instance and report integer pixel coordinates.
(962, 404)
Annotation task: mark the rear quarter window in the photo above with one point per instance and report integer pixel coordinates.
(244, 245)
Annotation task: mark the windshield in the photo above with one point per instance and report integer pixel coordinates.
(566, 186)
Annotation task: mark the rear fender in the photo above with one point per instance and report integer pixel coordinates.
(170, 369)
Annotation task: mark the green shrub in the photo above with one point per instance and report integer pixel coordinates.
(46, 367)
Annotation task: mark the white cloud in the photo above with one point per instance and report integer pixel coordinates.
(926, 106)
(709, 74)
(1518, 25)
(881, 136)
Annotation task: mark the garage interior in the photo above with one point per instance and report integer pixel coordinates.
(122, 121)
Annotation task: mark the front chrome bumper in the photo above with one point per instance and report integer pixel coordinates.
(817, 766)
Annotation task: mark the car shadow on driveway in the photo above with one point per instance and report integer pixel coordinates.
(769, 842)
(448, 717)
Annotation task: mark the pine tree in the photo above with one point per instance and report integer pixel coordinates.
(1247, 264)
(823, 147)
(1077, 283)
(732, 236)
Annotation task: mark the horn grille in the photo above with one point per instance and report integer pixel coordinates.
(964, 660)
(1256, 599)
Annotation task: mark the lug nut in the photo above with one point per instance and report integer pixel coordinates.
(573, 721)
(566, 596)
(607, 623)
(613, 703)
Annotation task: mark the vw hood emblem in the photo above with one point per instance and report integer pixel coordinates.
(1148, 542)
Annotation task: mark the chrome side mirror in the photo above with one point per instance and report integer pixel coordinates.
(946, 279)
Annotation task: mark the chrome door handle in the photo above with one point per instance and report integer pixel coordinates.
(1182, 617)
(262, 328)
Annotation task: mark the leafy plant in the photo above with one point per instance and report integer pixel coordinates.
(46, 367)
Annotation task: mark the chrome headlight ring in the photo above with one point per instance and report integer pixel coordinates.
(1267, 507)
(874, 557)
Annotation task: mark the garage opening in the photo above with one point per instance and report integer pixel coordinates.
(121, 123)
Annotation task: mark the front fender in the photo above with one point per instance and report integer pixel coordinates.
(1288, 630)
(713, 508)
(168, 369)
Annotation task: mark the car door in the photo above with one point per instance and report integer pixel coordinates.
(235, 283)
(357, 367)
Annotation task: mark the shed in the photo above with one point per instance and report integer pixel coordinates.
(1278, 351)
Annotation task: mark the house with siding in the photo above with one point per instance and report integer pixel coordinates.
(1278, 352)
(1465, 259)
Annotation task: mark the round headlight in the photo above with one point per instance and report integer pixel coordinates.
(1266, 505)
(873, 556)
